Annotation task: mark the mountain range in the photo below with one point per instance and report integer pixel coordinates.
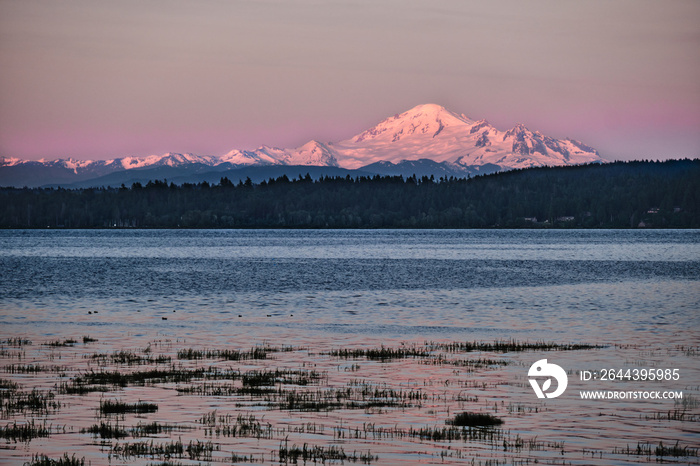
(425, 140)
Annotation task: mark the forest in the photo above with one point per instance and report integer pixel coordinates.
(639, 194)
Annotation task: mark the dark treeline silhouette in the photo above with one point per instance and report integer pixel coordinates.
(616, 195)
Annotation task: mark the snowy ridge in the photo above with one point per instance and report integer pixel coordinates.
(9, 162)
(170, 159)
(425, 132)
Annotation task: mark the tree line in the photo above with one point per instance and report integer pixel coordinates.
(615, 195)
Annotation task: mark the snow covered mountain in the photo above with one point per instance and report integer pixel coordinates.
(433, 132)
(428, 139)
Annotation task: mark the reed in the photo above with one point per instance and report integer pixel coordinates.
(507, 346)
(58, 343)
(105, 430)
(15, 341)
(380, 354)
(154, 428)
(129, 358)
(43, 460)
(240, 426)
(675, 451)
(35, 402)
(119, 407)
(194, 450)
(32, 368)
(257, 378)
(8, 385)
(151, 376)
(24, 432)
(647, 449)
(467, 419)
(315, 453)
(225, 354)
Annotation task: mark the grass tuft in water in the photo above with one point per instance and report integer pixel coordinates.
(240, 426)
(675, 451)
(195, 450)
(380, 354)
(118, 407)
(43, 460)
(15, 341)
(647, 449)
(226, 354)
(467, 419)
(14, 401)
(58, 343)
(8, 385)
(129, 358)
(321, 454)
(24, 432)
(154, 428)
(105, 430)
(508, 346)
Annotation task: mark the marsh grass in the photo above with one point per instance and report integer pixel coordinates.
(315, 454)
(210, 389)
(119, 407)
(236, 458)
(9, 354)
(674, 415)
(32, 368)
(155, 428)
(675, 451)
(467, 419)
(660, 451)
(358, 396)
(507, 346)
(105, 430)
(15, 341)
(8, 385)
(38, 402)
(240, 426)
(194, 450)
(256, 378)
(129, 358)
(93, 381)
(43, 460)
(490, 436)
(253, 383)
(471, 364)
(24, 432)
(225, 354)
(380, 354)
(58, 343)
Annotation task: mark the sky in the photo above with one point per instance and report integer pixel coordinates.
(95, 79)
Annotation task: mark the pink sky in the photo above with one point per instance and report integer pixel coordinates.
(97, 79)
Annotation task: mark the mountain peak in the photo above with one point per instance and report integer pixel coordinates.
(312, 153)
(426, 120)
(427, 109)
(9, 161)
(432, 112)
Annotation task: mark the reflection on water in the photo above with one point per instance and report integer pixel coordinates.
(152, 294)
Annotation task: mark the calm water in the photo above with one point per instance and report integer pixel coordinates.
(635, 293)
